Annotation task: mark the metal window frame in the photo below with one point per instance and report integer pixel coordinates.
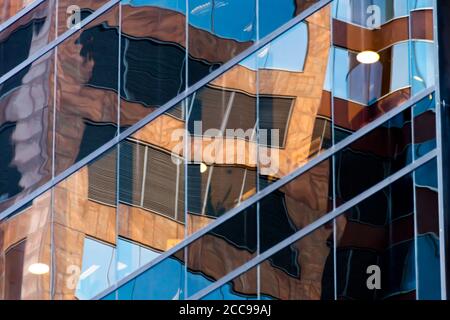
(272, 187)
(144, 121)
(316, 224)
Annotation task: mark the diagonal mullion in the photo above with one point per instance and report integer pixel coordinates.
(316, 225)
(272, 187)
(144, 121)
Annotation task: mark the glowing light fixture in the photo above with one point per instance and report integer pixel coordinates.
(203, 167)
(368, 57)
(417, 78)
(38, 268)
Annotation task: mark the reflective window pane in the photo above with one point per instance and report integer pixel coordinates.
(218, 31)
(294, 206)
(10, 8)
(376, 237)
(153, 56)
(86, 103)
(383, 159)
(221, 171)
(84, 230)
(234, 241)
(274, 14)
(25, 252)
(27, 35)
(427, 237)
(26, 130)
(97, 269)
(164, 281)
(307, 272)
(151, 188)
(243, 287)
(294, 101)
(424, 114)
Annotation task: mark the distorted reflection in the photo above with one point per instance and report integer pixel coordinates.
(427, 236)
(97, 272)
(386, 220)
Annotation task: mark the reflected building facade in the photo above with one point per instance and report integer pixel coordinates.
(119, 180)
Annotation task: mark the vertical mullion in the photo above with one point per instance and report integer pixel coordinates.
(186, 149)
(439, 104)
(52, 195)
(258, 220)
(119, 84)
(333, 158)
(413, 157)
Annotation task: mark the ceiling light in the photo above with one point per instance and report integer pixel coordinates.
(418, 78)
(368, 57)
(38, 268)
(203, 167)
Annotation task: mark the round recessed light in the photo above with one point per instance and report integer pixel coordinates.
(368, 57)
(203, 167)
(38, 268)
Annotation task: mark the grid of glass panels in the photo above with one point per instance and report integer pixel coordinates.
(152, 191)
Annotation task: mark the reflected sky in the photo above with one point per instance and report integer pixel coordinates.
(232, 19)
(287, 52)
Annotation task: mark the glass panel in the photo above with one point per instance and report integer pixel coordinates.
(419, 4)
(84, 228)
(164, 281)
(71, 14)
(401, 42)
(36, 29)
(359, 11)
(221, 172)
(306, 271)
(423, 75)
(294, 206)
(365, 84)
(151, 190)
(97, 269)
(131, 256)
(87, 102)
(375, 256)
(274, 14)
(234, 241)
(424, 126)
(25, 252)
(427, 219)
(153, 56)
(294, 104)
(10, 8)
(27, 35)
(383, 159)
(218, 31)
(243, 287)
(26, 128)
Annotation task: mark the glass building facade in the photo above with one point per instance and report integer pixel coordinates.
(209, 149)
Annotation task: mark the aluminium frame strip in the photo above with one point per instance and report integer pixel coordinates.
(316, 224)
(272, 187)
(150, 117)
